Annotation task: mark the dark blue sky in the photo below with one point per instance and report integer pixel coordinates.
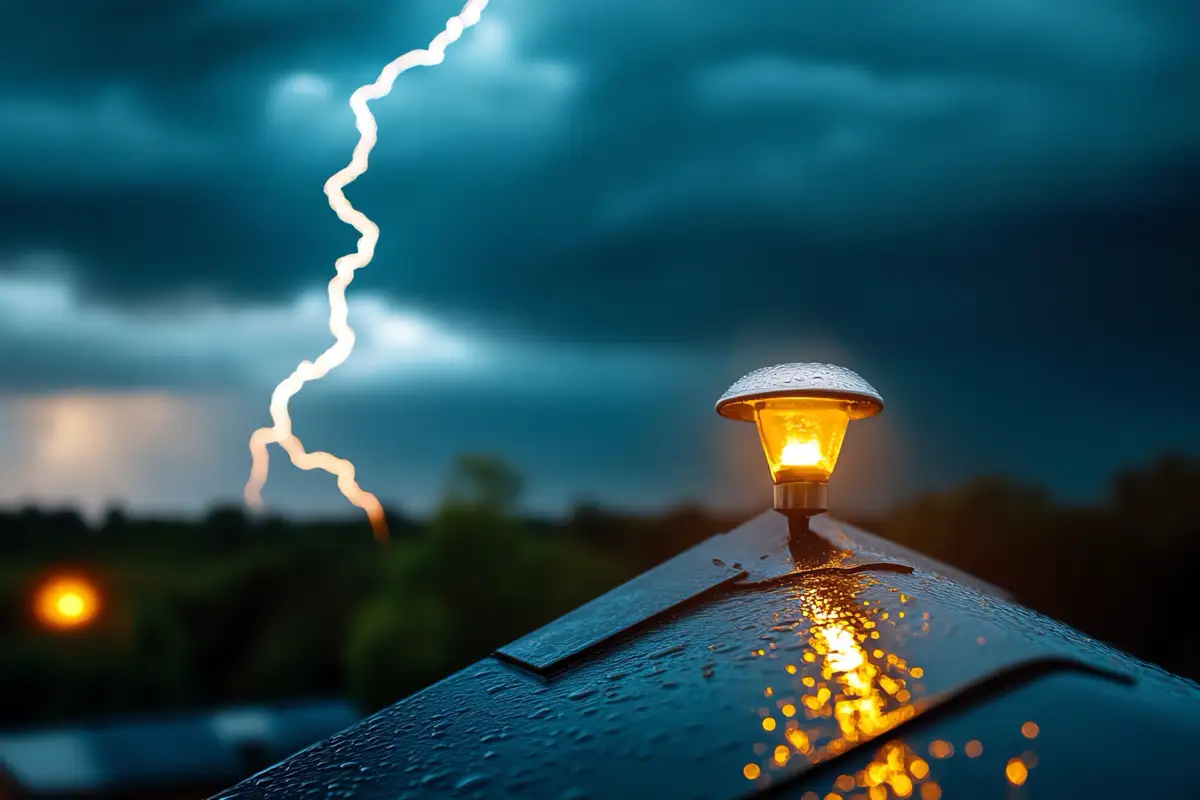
(595, 216)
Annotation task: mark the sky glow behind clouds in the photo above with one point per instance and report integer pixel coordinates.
(595, 216)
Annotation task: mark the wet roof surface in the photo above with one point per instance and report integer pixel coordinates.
(858, 682)
(760, 551)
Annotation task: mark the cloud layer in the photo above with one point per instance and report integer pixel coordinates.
(988, 208)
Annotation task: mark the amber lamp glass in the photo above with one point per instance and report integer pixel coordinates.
(801, 436)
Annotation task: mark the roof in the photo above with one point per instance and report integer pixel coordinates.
(748, 666)
(151, 753)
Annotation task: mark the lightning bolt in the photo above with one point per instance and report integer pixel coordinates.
(281, 431)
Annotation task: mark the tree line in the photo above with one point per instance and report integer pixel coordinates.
(232, 609)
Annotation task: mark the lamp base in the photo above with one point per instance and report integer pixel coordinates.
(801, 498)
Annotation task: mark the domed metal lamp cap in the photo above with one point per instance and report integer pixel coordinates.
(801, 411)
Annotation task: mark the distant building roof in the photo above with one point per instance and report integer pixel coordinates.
(158, 753)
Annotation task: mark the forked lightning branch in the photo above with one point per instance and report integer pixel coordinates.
(280, 432)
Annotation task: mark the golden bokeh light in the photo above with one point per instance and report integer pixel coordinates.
(1016, 772)
(850, 695)
(939, 748)
(857, 688)
(66, 602)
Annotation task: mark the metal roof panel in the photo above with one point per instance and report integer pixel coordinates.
(744, 689)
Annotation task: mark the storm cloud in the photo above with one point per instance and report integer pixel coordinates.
(601, 213)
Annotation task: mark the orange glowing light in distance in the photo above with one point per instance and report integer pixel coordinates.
(280, 431)
(66, 602)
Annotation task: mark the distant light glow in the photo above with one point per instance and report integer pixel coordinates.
(65, 602)
(306, 84)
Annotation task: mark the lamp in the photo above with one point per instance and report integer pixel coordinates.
(801, 411)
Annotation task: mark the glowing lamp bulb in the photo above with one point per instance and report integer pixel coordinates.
(801, 411)
(66, 602)
(800, 454)
(801, 437)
